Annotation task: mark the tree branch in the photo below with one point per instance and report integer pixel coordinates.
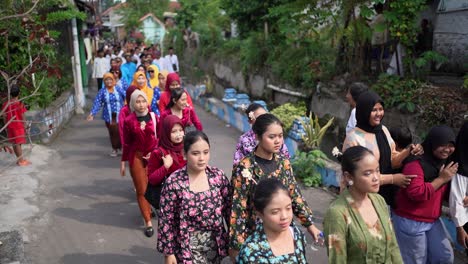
(23, 14)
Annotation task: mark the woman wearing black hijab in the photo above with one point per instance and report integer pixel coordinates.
(370, 133)
(459, 188)
(419, 231)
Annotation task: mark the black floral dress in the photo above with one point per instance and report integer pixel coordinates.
(245, 177)
(191, 225)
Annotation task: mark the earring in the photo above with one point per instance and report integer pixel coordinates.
(350, 183)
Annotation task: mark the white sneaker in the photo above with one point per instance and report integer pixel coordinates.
(113, 153)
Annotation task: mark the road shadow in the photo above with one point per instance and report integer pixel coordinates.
(108, 187)
(118, 214)
(140, 255)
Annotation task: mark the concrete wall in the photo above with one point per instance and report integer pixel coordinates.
(47, 123)
(451, 39)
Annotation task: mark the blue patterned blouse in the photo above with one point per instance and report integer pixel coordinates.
(108, 101)
(256, 249)
(154, 102)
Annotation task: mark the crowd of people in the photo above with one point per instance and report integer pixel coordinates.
(391, 195)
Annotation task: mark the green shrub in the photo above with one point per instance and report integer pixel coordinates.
(306, 164)
(288, 112)
(314, 132)
(398, 92)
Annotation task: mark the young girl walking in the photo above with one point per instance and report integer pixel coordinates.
(166, 158)
(195, 202)
(276, 239)
(140, 139)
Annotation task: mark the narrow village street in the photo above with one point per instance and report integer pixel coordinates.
(78, 209)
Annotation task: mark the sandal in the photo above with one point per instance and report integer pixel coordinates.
(23, 163)
(149, 231)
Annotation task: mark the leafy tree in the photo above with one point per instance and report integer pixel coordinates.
(135, 9)
(251, 15)
(29, 54)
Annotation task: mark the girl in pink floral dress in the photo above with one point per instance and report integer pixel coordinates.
(195, 203)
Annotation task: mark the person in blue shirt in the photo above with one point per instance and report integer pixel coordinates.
(128, 68)
(111, 99)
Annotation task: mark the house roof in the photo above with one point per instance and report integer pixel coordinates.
(110, 9)
(152, 16)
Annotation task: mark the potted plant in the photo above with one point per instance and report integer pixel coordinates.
(308, 161)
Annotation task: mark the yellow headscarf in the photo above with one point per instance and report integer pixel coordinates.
(148, 91)
(154, 81)
(106, 76)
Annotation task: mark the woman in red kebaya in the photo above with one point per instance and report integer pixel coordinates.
(140, 139)
(179, 107)
(168, 157)
(172, 82)
(124, 112)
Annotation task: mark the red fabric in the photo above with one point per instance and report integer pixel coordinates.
(166, 98)
(137, 140)
(165, 134)
(188, 117)
(156, 170)
(419, 201)
(128, 93)
(14, 109)
(171, 77)
(16, 136)
(124, 112)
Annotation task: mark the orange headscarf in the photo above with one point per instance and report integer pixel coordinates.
(106, 76)
(144, 88)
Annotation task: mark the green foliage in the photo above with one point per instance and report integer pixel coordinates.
(465, 82)
(251, 15)
(288, 112)
(29, 37)
(306, 165)
(402, 17)
(314, 132)
(398, 92)
(426, 59)
(63, 15)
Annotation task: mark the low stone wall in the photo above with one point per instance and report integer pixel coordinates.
(331, 173)
(47, 123)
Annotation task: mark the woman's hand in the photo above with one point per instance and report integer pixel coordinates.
(447, 172)
(90, 118)
(465, 201)
(122, 168)
(171, 259)
(314, 231)
(168, 161)
(462, 237)
(401, 180)
(417, 149)
(142, 125)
